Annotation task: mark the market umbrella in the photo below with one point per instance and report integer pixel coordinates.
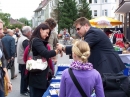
(104, 22)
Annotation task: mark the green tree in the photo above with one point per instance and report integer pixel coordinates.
(13, 26)
(67, 14)
(25, 21)
(84, 10)
(5, 18)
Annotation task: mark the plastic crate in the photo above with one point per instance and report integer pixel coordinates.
(127, 69)
(119, 52)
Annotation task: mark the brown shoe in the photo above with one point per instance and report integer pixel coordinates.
(14, 77)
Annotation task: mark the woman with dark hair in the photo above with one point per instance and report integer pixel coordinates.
(39, 40)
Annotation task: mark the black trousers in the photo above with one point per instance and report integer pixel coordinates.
(24, 79)
(37, 92)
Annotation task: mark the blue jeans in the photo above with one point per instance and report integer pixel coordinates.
(2, 94)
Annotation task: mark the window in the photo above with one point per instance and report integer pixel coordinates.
(80, 2)
(42, 12)
(52, 3)
(95, 12)
(39, 13)
(106, 1)
(105, 12)
(95, 1)
(90, 1)
(39, 23)
(42, 17)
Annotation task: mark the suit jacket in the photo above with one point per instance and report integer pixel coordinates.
(103, 56)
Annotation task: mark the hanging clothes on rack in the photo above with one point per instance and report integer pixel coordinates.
(119, 39)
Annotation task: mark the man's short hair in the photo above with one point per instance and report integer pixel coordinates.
(9, 30)
(26, 29)
(82, 21)
(51, 22)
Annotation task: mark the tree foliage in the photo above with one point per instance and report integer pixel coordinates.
(13, 26)
(67, 14)
(25, 21)
(84, 10)
(5, 18)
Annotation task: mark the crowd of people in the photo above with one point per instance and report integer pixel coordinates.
(93, 55)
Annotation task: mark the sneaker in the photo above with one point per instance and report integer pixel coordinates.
(25, 94)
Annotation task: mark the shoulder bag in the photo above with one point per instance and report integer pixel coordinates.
(116, 85)
(35, 63)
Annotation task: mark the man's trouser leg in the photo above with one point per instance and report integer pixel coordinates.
(12, 70)
(24, 80)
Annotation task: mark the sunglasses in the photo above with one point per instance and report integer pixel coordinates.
(77, 29)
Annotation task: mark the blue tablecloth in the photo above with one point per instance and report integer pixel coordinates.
(59, 70)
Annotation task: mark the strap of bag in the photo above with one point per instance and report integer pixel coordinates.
(30, 47)
(76, 83)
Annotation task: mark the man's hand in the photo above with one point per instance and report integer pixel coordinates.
(60, 46)
(12, 58)
(59, 51)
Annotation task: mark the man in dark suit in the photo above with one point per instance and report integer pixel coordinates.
(103, 57)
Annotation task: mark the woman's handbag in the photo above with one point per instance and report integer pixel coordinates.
(10, 64)
(2, 72)
(5, 87)
(35, 63)
(116, 85)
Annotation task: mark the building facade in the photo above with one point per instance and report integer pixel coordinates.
(98, 8)
(101, 7)
(43, 11)
(123, 12)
